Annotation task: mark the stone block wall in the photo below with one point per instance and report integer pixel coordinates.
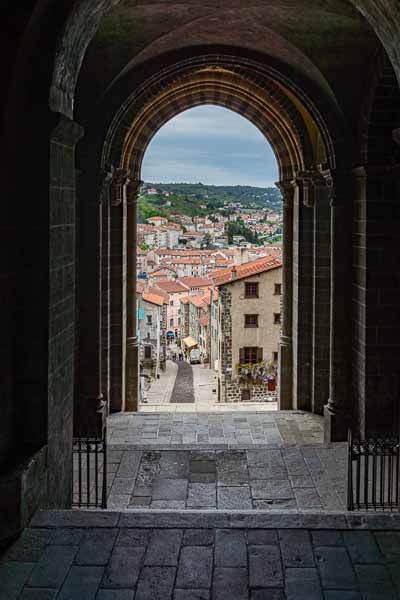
(61, 350)
(376, 300)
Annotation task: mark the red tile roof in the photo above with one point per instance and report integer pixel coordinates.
(195, 281)
(153, 299)
(171, 287)
(266, 263)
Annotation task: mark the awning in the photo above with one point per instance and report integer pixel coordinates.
(189, 342)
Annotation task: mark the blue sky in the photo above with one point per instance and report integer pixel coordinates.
(211, 145)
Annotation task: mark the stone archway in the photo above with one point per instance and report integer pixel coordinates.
(299, 147)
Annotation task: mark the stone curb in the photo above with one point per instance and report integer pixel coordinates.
(216, 519)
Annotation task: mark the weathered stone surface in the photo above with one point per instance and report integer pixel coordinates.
(13, 576)
(195, 567)
(81, 583)
(230, 583)
(303, 584)
(124, 567)
(96, 547)
(335, 568)
(163, 549)
(234, 498)
(156, 583)
(202, 495)
(198, 537)
(53, 566)
(265, 567)
(230, 548)
(296, 548)
(170, 489)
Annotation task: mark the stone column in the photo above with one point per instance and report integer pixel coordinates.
(118, 290)
(285, 375)
(105, 296)
(322, 183)
(303, 227)
(337, 413)
(89, 415)
(132, 347)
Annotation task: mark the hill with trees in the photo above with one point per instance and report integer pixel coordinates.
(197, 199)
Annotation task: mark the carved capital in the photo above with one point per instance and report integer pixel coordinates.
(105, 179)
(120, 179)
(312, 179)
(287, 189)
(133, 190)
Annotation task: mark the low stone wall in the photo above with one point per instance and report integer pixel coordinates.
(258, 393)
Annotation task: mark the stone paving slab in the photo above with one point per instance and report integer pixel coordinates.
(300, 479)
(210, 429)
(187, 562)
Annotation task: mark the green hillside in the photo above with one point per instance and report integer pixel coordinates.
(199, 200)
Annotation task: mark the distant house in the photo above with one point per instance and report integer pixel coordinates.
(157, 221)
(249, 312)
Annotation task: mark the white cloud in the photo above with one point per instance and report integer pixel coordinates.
(211, 145)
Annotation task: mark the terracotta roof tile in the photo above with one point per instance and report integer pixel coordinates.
(260, 265)
(171, 287)
(153, 299)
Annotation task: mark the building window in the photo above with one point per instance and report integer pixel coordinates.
(171, 322)
(250, 355)
(179, 321)
(277, 318)
(278, 289)
(275, 357)
(149, 320)
(147, 352)
(251, 289)
(251, 321)
(171, 303)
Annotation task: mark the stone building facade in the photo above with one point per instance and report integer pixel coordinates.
(249, 312)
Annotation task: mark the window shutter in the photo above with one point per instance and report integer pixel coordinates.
(241, 356)
(259, 354)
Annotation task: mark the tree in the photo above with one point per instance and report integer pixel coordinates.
(207, 240)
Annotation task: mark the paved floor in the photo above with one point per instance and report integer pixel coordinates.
(183, 390)
(213, 430)
(297, 479)
(111, 556)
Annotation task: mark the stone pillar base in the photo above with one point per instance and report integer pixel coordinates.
(336, 426)
(285, 399)
(132, 377)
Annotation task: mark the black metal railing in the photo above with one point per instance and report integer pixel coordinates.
(89, 471)
(373, 473)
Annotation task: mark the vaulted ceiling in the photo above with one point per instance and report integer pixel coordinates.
(326, 42)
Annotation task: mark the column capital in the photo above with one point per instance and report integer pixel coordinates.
(120, 178)
(287, 188)
(311, 179)
(132, 190)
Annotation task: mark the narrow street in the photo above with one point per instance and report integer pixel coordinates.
(184, 387)
(183, 391)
